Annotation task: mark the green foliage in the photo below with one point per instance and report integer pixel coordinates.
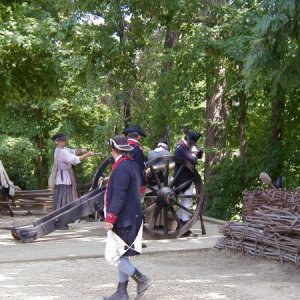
(225, 188)
(19, 156)
(89, 67)
(274, 55)
(28, 64)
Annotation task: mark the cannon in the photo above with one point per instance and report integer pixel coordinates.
(163, 199)
(161, 203)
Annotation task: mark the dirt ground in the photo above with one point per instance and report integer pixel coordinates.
(206, 275)
(202, 274)
(7, 221)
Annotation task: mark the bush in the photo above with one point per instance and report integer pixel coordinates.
(19, 156)
(225, 189)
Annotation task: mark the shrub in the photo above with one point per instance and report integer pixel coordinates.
(19, 156)
(225, 189)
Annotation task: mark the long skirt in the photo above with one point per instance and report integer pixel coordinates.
(62, 196)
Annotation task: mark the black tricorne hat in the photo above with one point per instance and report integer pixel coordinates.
(135, 128)
(59, 137)
(120, 142)
(194, 135)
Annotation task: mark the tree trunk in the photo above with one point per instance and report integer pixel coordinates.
(242, 126)
(126, 95)
(171, 40)
(40, 162)
(127, 109)
(163, 113)
(216, 115)
(216, 109)
(277, 125)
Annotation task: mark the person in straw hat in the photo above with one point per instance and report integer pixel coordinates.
(124, 219)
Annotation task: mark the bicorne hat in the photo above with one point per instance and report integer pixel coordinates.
(120, 142)
(135, 128)
(59, 137)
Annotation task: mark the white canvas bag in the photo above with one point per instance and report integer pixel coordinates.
(116, 247)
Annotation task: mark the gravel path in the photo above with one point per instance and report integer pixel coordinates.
(7, 221)
(203, 274)
(207, 274)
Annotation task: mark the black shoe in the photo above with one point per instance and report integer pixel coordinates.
(180, 224)
(143, 283)
(120, 294)
(190, 233)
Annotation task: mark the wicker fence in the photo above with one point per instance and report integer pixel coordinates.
(270, 227)
(274, 198)
(31, 201)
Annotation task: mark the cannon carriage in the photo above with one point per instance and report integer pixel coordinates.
(161, 204)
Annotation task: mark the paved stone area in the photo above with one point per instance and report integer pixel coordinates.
(87, 240)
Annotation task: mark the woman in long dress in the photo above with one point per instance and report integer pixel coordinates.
(65, 183)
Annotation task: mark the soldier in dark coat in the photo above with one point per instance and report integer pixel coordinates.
(124, 215)
(134, 133)
(186, 149)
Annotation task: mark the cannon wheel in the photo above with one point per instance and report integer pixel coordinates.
(101, 173)
(163, 199)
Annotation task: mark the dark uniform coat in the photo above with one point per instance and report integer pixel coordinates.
(139, 158)
(123, 202)
(183, 152)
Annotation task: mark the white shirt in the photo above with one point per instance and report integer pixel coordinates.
(65, 159)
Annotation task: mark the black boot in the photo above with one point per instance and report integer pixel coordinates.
(120, 294)
(180, 224)
(188, 232)
(142, 283)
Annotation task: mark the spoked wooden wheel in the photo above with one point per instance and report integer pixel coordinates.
(164, 200)
(101, 173)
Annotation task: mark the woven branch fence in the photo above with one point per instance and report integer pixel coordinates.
(273, 198)
(270, 227)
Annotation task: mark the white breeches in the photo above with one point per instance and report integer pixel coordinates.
(187, 203)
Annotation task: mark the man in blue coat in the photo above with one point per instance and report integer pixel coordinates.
(124, 215)
(134, 133)
(188, 150)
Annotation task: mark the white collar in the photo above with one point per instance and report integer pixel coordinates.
(134, 140)
(118, 157)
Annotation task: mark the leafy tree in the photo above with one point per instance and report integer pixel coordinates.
(19, 159)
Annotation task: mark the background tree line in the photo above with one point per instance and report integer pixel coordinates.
(230, 69)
